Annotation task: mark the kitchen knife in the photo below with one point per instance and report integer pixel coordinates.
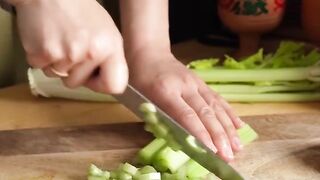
(132, 99)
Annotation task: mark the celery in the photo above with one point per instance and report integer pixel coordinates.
(42, 85)
(167, 158)
(256, 89)
(124, 176)
(195, 170)
(273, 97)
(128, 168)
(146, 155)
(147, 169)
(246, 134)
(96, 178)
(256, 75)
(149, 176)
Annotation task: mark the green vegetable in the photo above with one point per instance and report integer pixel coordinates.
(146, 155)
(42, 85)
(273, 97)
(203, 64)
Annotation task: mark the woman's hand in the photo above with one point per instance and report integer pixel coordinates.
(176, 90)
(72, 39)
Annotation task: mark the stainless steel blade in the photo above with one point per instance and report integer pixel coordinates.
(132, 99)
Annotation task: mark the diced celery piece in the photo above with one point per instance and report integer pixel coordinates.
(211, 176)
(147, 108)
(167, 176)
(128, 168)
(147, 169)
(181, 174)
(195, 170)
(150, 176)
(106, 174)
(161, 130)
(151, 118)
(170, 159)
(114, 174)
(97, 178)
(146, 154)
(94, 171)
(246, 134)
(124, 176)
(192, 142)
(172, 142)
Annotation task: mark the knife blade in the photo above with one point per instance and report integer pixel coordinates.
(132, 99)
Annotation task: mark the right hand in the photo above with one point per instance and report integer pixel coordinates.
(74, 38)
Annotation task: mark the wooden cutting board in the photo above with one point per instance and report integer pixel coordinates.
(288, 148)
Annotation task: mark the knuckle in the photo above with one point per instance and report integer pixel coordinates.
(206, 112)
(188, 115)
(219, 135)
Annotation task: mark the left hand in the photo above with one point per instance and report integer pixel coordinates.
(181, 94)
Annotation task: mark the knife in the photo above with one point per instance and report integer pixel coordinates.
(132, 99)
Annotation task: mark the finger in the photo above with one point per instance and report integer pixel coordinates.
(186, 116)
(210, 121)
(238, 123)
(38, 62)
(49, 73)
(228, 126)
(210, 95)
(113, 75)
(80, 73)
(223, 117)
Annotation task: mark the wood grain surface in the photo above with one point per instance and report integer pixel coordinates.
(288, 148)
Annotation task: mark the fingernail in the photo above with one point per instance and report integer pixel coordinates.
(237, 143)
(227, 151)
(211, 146)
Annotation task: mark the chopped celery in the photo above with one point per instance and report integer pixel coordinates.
(147, 169)
(151, 118)
(146, 155)
(149, 176)
(172, 142)
(124, 176)
(167, 158)
(167, 176)
(192, 142)
(195, 170)
(128, 168)
(246, 134)
(211, 176)
(97, 178)
(95, 171)
(147, 108)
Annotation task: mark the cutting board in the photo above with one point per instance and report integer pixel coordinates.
(288, 148)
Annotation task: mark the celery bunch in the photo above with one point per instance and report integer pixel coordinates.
(291, 73)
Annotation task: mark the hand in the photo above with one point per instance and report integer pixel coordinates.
(73, 39)
(176, 90)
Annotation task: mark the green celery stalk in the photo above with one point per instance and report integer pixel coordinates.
(253, 89)
(195, 170)
(255, 75)
(273, 97)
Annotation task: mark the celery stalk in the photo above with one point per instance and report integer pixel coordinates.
(255, 75)
(41, 85)
(273, 97)
(253, 89)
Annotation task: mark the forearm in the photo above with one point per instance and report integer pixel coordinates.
(145, 25)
